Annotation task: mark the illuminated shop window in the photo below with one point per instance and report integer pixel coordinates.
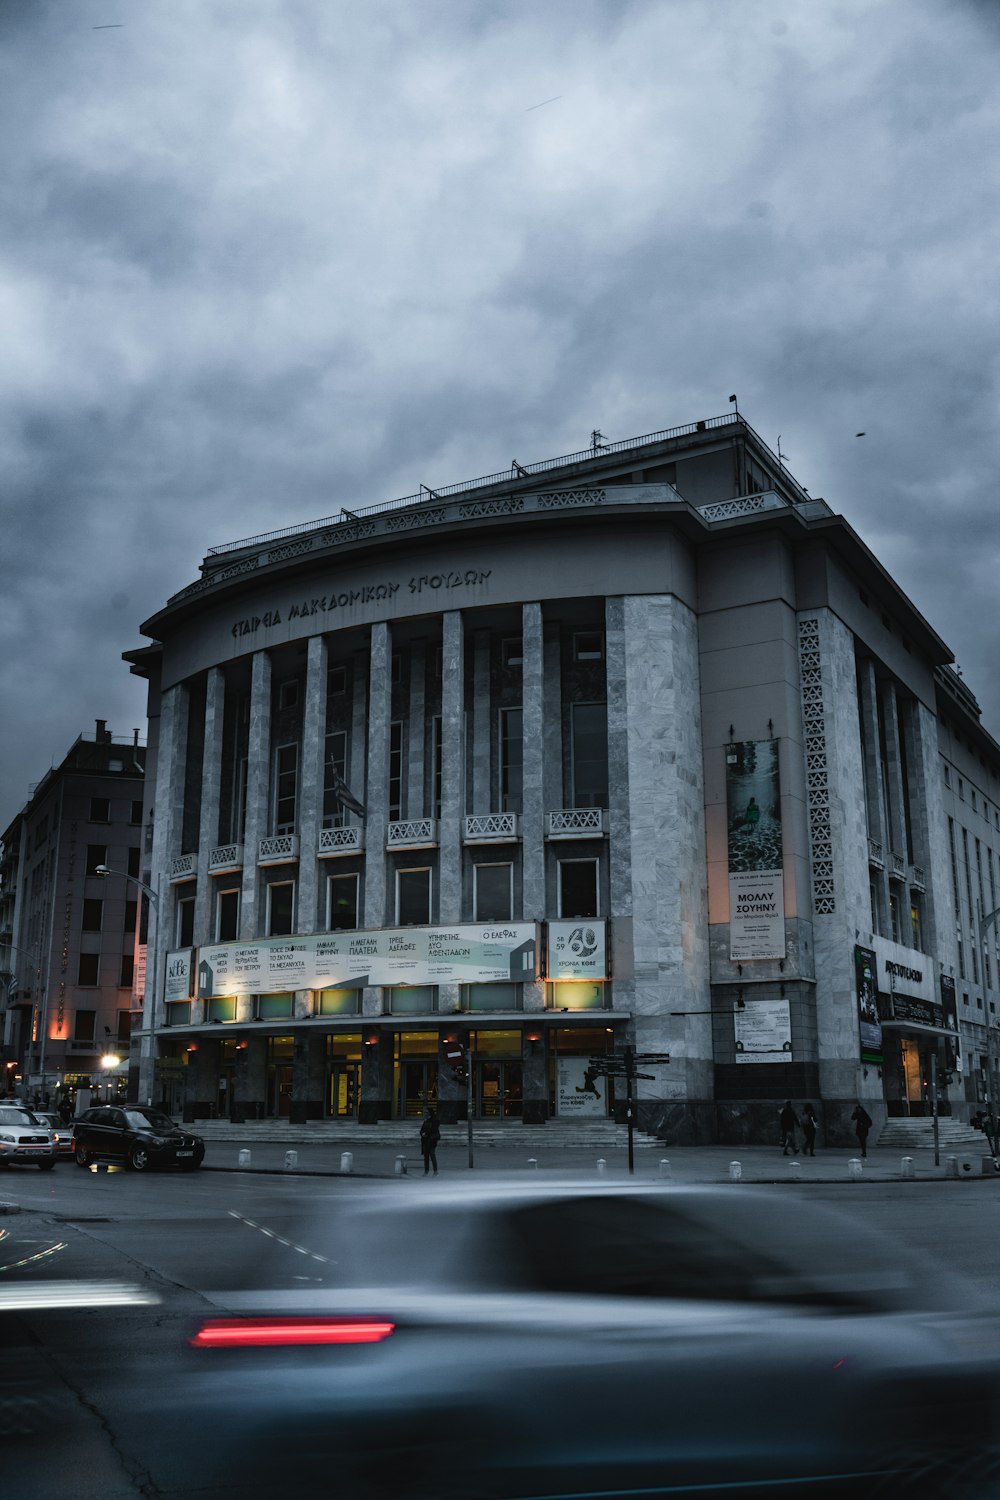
(410, 1000)
(338, 1003)
(577, 996)
(222, 1008)
(275, 1007)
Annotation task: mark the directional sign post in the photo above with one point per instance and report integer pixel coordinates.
(622, 1065)
(460, 1061)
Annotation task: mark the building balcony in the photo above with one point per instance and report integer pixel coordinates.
(491, 828)
(414, 833)
(576, 823)
(337, 841)
(282, 849)
(917, 881)
(183, 867)
(897, 867)
(875, 855)
(225, 859)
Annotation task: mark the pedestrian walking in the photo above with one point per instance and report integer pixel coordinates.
(862, 1124)
(789, 1122)
(809, 1123)
(430, 1134)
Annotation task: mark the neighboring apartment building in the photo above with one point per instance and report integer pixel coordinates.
(637, 747)
(67, 935)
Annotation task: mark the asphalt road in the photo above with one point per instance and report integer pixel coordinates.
(94, 1387)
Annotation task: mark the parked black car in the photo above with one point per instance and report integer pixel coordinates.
(136, 1134)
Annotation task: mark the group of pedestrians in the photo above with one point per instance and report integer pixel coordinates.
(789, 1122)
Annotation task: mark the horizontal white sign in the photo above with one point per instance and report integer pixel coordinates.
(482, 954)
(904, 971)
(577, 950)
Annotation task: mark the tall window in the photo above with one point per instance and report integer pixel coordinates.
(281, 908)
(97, 854)
(493, 892)
(185, 921)
(437, 761)
(286, 785)
(395, 771)
(227, 916)
(93, 912)
(578, 888)
(334, 760)
(511, 759)
(342, 903)
(126, 972)
(83, 1025)
(88, 969)
(590, 754)
(100, 810)
(238, 822)
(413, 898)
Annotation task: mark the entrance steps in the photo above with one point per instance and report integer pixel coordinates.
(915, 1133)
(580, 1135)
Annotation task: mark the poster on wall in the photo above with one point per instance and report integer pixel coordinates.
(577, 950)
(763, 1032)
(180, 970)
(577, 1095)
(756, 881)
(869, 1021)
(949, 1006)
(488, 954)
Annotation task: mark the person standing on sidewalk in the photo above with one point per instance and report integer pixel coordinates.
(862, 1124)
(809, 1123)
(430, 1134)
(789, 1122)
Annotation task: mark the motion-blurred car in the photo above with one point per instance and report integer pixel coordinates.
(139, 1136)
(62, 1130)
(24, 1137)
(553, 1340)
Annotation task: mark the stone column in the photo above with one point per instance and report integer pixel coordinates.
(452, 783)
(211, 785)
(535, 1077)
(311, 797)
(894, 770)
(482, 786)
(168, 823)
(308, 1078)
(377, 789)
(619, 809)
(250, 1078)
(376, 1080)
(874, 789)
(533, 713)
(415, 793)
(929, 822)
(258, 794)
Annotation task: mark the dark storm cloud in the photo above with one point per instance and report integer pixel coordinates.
(259, 260)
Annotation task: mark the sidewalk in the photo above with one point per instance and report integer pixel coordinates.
(763, 1164)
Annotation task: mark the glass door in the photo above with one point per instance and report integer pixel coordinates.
(279, 1090)
(344, 1090)
(418, 1089)
(498, 1090)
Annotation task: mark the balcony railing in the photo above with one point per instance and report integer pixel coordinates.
(225, 859)
(875, 854)
(413, 833)
(490, 828)
(897, 867)
(335, 841)
(917, 881)
(576, 823)
(282, 849)
(183, 867)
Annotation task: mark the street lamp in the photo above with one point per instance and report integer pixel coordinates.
(152, 938)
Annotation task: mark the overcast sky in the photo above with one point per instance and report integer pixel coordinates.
(262, 258)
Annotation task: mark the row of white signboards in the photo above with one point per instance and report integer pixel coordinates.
(465, 954)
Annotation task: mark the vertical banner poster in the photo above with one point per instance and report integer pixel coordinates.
(575, 1095)
(869, 1021)
(756, 882)
(952, 1044)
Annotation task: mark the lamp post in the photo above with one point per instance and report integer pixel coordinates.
(151, 971)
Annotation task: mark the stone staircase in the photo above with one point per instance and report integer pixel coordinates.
(581, 1135)
(953, 1135)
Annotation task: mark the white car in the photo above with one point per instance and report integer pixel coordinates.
(500, 1338)
(25, 1138)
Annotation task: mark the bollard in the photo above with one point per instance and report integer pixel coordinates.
(601, 1166)
(665, 1169)
(400, 1166)
(533, 1162)
(951, 1166)
(244, 1157)
(347, 1161)
(906, 1166)
(854, 1167)
(291, 1160)
(795, 1171)
(735, 1171)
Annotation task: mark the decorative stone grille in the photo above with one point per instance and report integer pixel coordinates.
(817, 779)
(415, 833)
(184, 867)
(355, 532)
(488, 828)
(917, 878)
(743, 505)
(334, 841)
(408, 519)
(290, 549)
(507, 505)
(248, 565)
(279, 850)
(558, 499)
(898, 869)
(225, 857)
(575, 823)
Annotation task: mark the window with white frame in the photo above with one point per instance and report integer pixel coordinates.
(334, 764)
(589, 751)
(413, 897)
(184, 928)
(588, 645)
(342, 902)
(286, 787)
(395, 770)
(493, 892)
(511, 759)
(280, 908)
(288, 693)
(579, 888)
(227, 915)
(512, 651)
